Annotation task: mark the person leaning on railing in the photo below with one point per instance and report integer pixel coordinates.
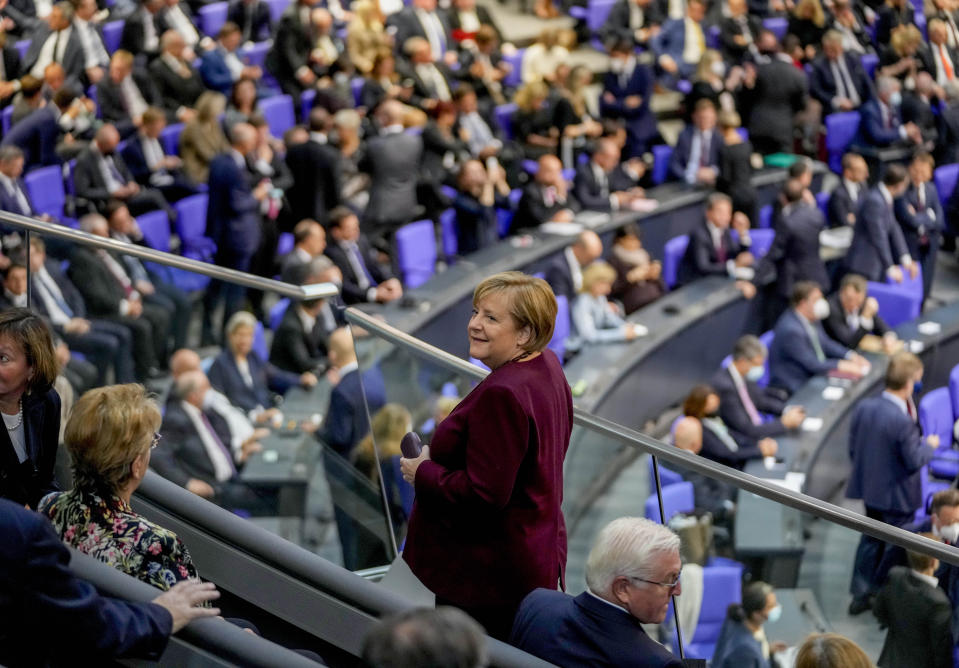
(486, 527)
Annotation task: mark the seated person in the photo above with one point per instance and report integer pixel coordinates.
(546, 199)
(846, 198)
(479, 193)
(365, 279)
(681, 43)
(720, 443)
(634, 22)
(712, 251)
(605, 184)
(444, 632)
(309, 242)
(221, 67)
(110, 435)
(881, 125)
(249, 382)
(41, 134)
(602, 627)
(853, 315)
(638, 278)
(125, 93)
(710, 495)
(594, 319)
(179, 83)
(148, 163)
(695, 158)
(565, 272)
(300, 342)
(801, 349)
(742, 639)
(838, 80)
(741, 400)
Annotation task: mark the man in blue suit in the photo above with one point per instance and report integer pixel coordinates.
(801, 349)
(920, 214)
(881, 124)
(346, 420)
(878, 245)
(232, 220)
(712, 251)
(627, 93)
(221, 67)
(50, 613)
(846, 198)
(631, 573)
(676, 58)
(695, 157)
(38, 133)
(14, 197)
(888, 453)
(838, 79)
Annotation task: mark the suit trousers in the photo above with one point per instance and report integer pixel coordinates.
(865, 580)
(106, 344)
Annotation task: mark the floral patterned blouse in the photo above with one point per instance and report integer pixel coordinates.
(109, 530)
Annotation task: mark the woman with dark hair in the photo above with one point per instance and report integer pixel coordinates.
(30, 408)
(242, 103)
(742, 641)
(720, 443)
(639, 279)
(735, 166)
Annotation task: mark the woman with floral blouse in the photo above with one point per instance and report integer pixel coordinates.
(109, 436)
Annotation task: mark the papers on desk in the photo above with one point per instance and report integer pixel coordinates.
(839, 238)
(271, 456)
(833, 393)
(916, 347)
(929, 328)
(643, 205)
(794, 481)
(641, 330)
(812, 424)
(562, 229)
(592, 218)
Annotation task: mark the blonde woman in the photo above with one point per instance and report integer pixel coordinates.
(387, 429)
(808, 23)
(533, 122)
(202, 139)
(365, 36)
(594, 321)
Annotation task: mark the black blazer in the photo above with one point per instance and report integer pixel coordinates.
(701, 258)
(734, 414)
(176, 91)
(435, 147)
(794, 254)
(317, 179)
(111, 101)
(73, 58)
(408, 25)
(560, 278)
(225, 377)
(533, 210)
(88, 179)
(947, 150)
(779, 93)
(891, 17)
(351, 290)
(730, 29)
(588, 191)
(917, 616)
(133, 38)
(617, 25)
(255, 25)
(100, 289)
(716, 450)
(183, 455)
(842, 208)
(11, 67)
(485, 18)
(421, 90)
(31, 480)
(291, 49)
(295, 349)
(822, 83)
(839, 330)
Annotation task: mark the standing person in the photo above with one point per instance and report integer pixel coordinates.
(30, 408)
(886, 448)
(735, 166)
(878, 245)
(489, 488)
(775, 93)
(919, 213)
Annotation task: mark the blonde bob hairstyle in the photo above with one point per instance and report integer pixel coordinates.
(531, 304)
(597, 272)
(108, 429)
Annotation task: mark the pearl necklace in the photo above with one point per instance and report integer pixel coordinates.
(19, 416)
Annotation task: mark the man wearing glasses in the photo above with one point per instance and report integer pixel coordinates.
(631, 573)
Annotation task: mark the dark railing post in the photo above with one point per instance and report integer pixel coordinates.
(662, 517)
(29, 274)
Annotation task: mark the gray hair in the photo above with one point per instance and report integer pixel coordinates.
(66, 10)
(887, 85)
(628, 546)
(347, 118)
(10, 152)
(186, 384)
(445, 638)
(92, 221)
(240, 319)
(749, 347)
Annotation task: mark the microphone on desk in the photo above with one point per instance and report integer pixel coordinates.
(818, 625)
(411, 446)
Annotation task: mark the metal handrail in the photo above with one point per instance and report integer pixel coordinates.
(688, 461)
(295, 292)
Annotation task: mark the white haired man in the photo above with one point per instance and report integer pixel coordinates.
(631, 572)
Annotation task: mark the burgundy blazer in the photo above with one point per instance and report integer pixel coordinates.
(487, 527)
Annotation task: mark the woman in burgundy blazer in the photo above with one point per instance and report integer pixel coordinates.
(487, 528)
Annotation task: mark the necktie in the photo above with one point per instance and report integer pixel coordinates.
(922, 196)
(20, 196)
(886, 116)
(54, 295)
(718, 427)
(814, 338)
(953, 31)
(850, 93)
(946, 63)
(216, 439)
(56, 47)
(721, 253)
(114, 172)
(703, 149)
(748, 404)
(358, 259)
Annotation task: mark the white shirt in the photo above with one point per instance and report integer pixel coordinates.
(46, 51)
(693, 43)
(222, 469)
(243, 366)
(16, 435)
(151, 41)
(95, 54)
(15, 191)
(233, 63)
(928, 579)
(239, 424)
(50, 291)
(134, 99)
(900, 403)
(152, 151)
(852, 189)
(183, 25)
(433, 28)
(429, 73)
(574, 269)
(600, 598)
(308, 321)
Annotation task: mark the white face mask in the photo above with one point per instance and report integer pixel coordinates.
(718, 68)
(207, 402)
(755, 373)
(895, 99)
(950, 533)
(820, 310)
(617, 66)
(775, 614)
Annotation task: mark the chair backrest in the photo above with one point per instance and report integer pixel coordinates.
(112, 32)
(822, 201)
(254, 54)
(661, 156)
(896, 303)
(22, 46)
(766, 338)
(596, 13)
(277, 7)
(777, 26)
(562, 327)
(356, 87)
(155, 226)
(191, 217)
(762, 241)
(870, 61)
(765, 221)
(277, 312)
(936, 415)
(170, 138)
(45, 187)
(515, 60)
(841, 129)
(911, 285)
(6, 118)
(954, 389)
(259, 341)
(667, 476)
(504, 118)
(945, 178)
(212, 17)
(673, 252)
(416, 252)
(448, 232)
(279, 114)
(677, 498)
(722, 586)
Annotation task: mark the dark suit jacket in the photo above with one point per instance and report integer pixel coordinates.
(317, 179)
(701, 258)
(291, 49)
(88, 179)
(679, 160)
(948, 148)
(233, 214)
(532, 210)
(917, 616)
(839, 330)
(164, 23)
(912, 217)
(10, 203)
(887, 453)
(640, 121)
(730, 29)
(779, 93)
(100, 289)
(920, 111)
(587, 189)
(29, 481)
(408, 25)
(841, 205)
(822, 83)
(73, 58)
(877, 241)
(736, 647)
(38, 593)
(11, 67)
(133, 38)
(794, 255)
(351, 292)
(872, 131)
(346, 422)
(435, 147)
(891, 17)
(184, 455)
(36, 135)
(111, 101)
(734, 414)
(717, 451)
(71, 295)
(23, 13)
(225, 377)
(581, 631)
(255, 23)
(296, 350)
(215, 73)
(135, 160)
(176, 91)
(560, 278)
(389, 160)
(617, 28)
(792, 358)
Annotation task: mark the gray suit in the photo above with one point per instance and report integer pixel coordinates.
(73, 58)
(391, 160)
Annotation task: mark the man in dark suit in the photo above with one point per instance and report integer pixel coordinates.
(919, 213)
(881, 125)
(546, 199)
(846, 198)
(14, 197)
(125, 94)
(738, 33)
(774, 91)
(632, 21)
(937, 57)
(838, 79)
(801, 349)
(346, 421)
(695, 157)
(289, 57)
(878, 245)
(853, 315)
(712, 251)
(300, 343)
(709, 494)
(945, 11)
(741, 400)
(10, 71)
(564, 273)
(221, 67)
(141, 36)
(95, 56)
(177, 80)
(888, 453)
(38, 585)
(20, 18)
(179, 17)
(38, 134)
(605, 184)
(100, 175)
(674, 57)
(627, 94)
(602, 626)
(422, 19)
(387, 160)
(253, 18)
(917, 109)
(432, 80)
(57, 42)
(198, 452)
(232, 220)
(149, 165)
(364, 277)
(309, 242)
(317, 173)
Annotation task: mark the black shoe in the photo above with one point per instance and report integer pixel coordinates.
(860, 605)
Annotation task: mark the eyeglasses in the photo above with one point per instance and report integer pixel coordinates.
(669, 585)
(156, 440)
